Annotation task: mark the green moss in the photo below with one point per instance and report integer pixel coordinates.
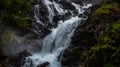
(111, 34)
(95, 48)
(105, 39)
(107, 48)
(116, 26)
(110, 41)
(15, 13)
(106, 9)
(114, 30)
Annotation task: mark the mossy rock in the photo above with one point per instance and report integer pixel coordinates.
(102, 17)
(116, 26)
(111, 34)
(107, 49)
(106, 10)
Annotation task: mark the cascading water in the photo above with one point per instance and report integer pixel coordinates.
(37, 14)
(60, 37)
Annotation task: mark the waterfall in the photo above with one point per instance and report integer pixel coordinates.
(37, 14)
(60, 37)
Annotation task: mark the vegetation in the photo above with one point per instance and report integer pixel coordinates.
(97, 44)
(107, 48)
(106, 51)
(14, 13)
(106, 10)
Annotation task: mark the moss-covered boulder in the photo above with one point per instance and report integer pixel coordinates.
(105, 10)
(103, 17)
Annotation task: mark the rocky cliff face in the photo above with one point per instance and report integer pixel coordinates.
(95, 43)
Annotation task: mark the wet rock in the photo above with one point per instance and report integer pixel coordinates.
(67, 5)
(77, 2)
(61, 17)
(39, 31)
(43, 65)
(18, 59)
(57, 18)
(24, 54)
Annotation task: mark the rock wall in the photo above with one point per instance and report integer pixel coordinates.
(95, 43)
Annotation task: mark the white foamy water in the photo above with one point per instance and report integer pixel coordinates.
(60, 37)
